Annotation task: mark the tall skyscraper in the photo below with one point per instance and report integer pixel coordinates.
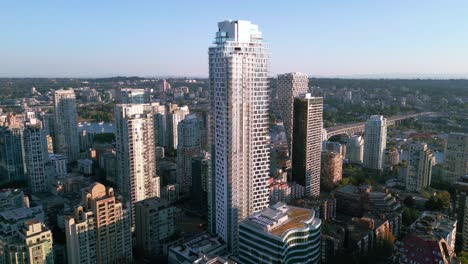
(201, 171)
(355, 150)
(174, 118)
(135, 153)
(375, 140)
(188, 147)
(418, 173)
(11, 150)
(99, 230)
(33, 244)
(160, 123)
(290, 86)
(307, 143)
(456, 156)
(238, 75)
(36, 157)
(66, 128)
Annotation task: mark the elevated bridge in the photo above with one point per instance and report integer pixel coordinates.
(355, 128)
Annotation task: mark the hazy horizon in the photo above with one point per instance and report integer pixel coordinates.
(358, 39)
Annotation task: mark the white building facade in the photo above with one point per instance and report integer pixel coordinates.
(375, 140)
(355, 150)
(188, 148)
(135, 153)
(65, 124)
(420, 162)
(174, 118)
(456, 156)
(238, 71)
(36, 156)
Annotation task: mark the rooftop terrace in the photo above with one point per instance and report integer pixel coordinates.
(280, 218)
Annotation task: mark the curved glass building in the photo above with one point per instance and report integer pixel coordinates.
(280, 234)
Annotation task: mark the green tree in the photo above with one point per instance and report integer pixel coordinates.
(463, 257)
(439, 201)
(409, 215)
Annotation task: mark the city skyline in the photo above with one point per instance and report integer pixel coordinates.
(236, 168)
(357, 40)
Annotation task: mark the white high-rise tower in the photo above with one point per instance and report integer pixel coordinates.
(240, 97)
(136, 154)
(375, 140)
(66, 128)
(36, 156)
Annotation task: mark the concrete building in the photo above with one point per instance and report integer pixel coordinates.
(131, 96)
(375, 141)
(307, 143)
(59, 165)
(391, 158)
(456, 156)
(85, 166)
(419, 167)
(99, 230)
(12, 220)
(440, 225)
(32, 245)
(266, 237)
(424, 249)
(12, 198)
(335, 147)
(332, 168)
(461, 210)
(356, 201)
(135, 153)
(193, 249)
(65, 124)
(285, 191)
(240, 138)
(201, 171)
(36, 157)
(11, 150)
(290, 86)
(160, 124)
(174, 118)
(188, 147)
(86, 140)
(332, 242)
(355, 150)
(155, 224)
(433, 235)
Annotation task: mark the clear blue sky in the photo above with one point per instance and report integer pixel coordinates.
(170, 38)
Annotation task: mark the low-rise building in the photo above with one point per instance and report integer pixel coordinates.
(59, 165)
(190, 251)
(285, 191)
(355, 201)
(424, 249)
(438, 225)
(267, 236)
(12, 198)
(85, 166)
